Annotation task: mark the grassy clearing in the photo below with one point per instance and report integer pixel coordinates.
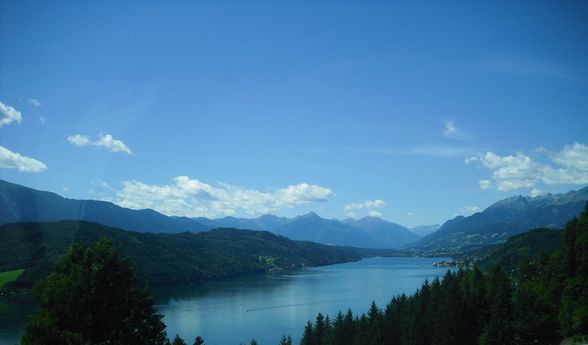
(9, 276)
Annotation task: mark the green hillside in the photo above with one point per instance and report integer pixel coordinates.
(529, 245)
(162, 258)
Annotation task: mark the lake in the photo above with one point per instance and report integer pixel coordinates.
(264, 307)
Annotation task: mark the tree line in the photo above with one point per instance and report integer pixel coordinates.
(545, 301)
(92, 298)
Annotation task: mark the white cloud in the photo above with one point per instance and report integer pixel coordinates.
(8, 114)
(451, 131)
(374, 213)
(35, 103)
(410, 214)
(468, 210)
(573, 157)
(568, 166)
(485, 184)
(13, 160)
(370, 205)
(43, 120)
(112, 144)
(79, 140)
(104, 140)
(192, 198)
(535, 192)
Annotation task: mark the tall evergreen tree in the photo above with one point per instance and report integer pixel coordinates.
(320, 329)
(91, 298)
(499, 329)
(308, 335)
(375, 325)
(286, 340)
(178, 341)
(337, 333)
(573, 315)
(422, 319)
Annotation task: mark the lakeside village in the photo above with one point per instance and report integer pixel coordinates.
(465, 263)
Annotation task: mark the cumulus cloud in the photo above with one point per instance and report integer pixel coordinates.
(35, 103)
(192, 198)
(13, 160)
(467, 211)
(568, 166)
(374, 213)
(370, 205)
(8, 115)
(535, 192)
(365, 205)
(573, 157)
(104, 140)
(79, 140)
(451, 131)
(485, 184)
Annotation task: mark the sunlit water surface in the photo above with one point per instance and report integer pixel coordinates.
(264, 307)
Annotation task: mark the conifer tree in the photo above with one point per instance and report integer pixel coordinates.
(91, 298)
(308, 336)
(286, 340)
(499, 329)
(178, 341)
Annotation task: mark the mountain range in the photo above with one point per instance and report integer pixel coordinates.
(502, 220)
(23, 204)
(494, 225)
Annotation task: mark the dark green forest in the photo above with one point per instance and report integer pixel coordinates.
(543, 302)
(164, 258)
(91, 298)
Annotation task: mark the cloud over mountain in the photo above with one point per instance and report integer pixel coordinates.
(192, 198)
(13, 160)
(568, 166)
(370, 205)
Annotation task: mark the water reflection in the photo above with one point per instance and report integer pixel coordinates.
(266, 306)
(14, 313)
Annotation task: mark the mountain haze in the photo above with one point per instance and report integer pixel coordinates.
(368, 232)
(504, 219)
(424, 230)
(23, 204)
(388, 234)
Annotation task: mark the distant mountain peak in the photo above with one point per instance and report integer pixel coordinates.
(269, 216)
(505, 218)
(310, 214)
(372, 218)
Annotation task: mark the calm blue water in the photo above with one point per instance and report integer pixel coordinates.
(265, 307)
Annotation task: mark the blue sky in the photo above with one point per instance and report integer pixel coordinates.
(412, 111)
